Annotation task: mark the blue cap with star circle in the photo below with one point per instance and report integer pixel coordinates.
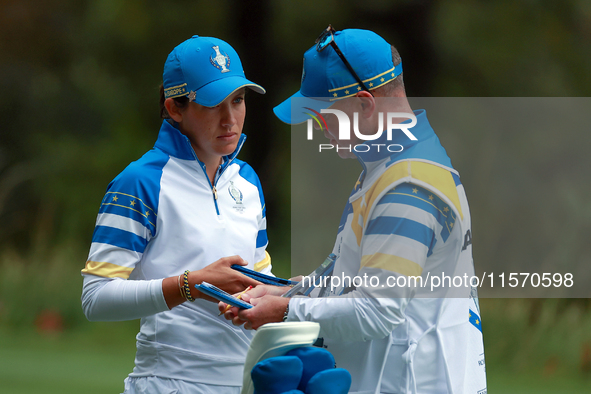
(326, 79)
(205, 69)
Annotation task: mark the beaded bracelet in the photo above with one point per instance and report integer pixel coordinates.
(186, 287)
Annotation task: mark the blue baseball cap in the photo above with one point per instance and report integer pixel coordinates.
(326, 79)
(205, 69)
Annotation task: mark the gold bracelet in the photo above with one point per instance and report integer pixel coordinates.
(181, 288)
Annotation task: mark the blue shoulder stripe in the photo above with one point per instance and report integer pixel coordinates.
(475, 319)
(349, 207)
(346, 212)
(416, 196)
(427, 146)
(387, 225)
(120, 238)
(135, 192)
(129, 206)
(262, 238)
(247, 172)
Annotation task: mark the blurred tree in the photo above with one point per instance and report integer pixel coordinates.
(80, 101)
(86, 76)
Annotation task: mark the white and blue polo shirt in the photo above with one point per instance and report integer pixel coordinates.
(161, 216)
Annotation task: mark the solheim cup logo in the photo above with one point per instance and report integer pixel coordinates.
(235, 193)
(221, 61)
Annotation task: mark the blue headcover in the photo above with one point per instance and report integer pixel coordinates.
(330, 381)
(303, 370)
(277, 375)
(314, 359)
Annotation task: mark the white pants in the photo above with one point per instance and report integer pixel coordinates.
(156, 385)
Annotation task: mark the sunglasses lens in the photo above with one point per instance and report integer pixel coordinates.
(327, 38)
(323, 41)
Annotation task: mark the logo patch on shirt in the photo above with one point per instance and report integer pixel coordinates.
(237, 195)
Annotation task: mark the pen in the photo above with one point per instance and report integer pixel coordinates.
(239, 296)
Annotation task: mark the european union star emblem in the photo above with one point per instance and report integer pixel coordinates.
(474, 319)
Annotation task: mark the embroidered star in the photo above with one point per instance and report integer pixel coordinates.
(132, 203)
(147, 213)
(334, 94)
(115, 198)
(392, 75)
(358, 87)
(382, 79)
(370, 84)
(415, 190)
(431, 197)
(346, 92)
(451, 225)
(477, 322)
(445, 209)
(469, 315)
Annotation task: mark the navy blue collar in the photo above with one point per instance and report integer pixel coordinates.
(426, 147)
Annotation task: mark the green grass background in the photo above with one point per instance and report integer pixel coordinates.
(531, 345)
(83, 361)
(524, 354)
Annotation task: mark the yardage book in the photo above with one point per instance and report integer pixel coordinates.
(220, 295)
(266, 279)
(325, 269)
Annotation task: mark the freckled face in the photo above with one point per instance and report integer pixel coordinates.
(215, 131)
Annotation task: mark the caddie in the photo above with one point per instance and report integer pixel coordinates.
(406, 219)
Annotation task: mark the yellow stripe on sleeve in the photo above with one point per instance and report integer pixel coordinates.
(264, 263)
(106, 270)
(392, 263)
(407, 171)
(440, 179)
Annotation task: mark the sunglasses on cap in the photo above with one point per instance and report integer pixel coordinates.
(325, 39)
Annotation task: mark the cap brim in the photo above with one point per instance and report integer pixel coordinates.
(217, 91)
(296, 109)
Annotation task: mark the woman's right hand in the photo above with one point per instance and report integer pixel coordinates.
(257, 292)
(220, 274)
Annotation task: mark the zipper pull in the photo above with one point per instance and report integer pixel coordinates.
(215, 192)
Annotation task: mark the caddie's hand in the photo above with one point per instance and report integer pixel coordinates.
(220, 274)
(267, 309)
(262, 290)
(257, 292)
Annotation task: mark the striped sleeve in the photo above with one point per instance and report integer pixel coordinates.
(127, 219)
(406, 225)
(262, 258)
